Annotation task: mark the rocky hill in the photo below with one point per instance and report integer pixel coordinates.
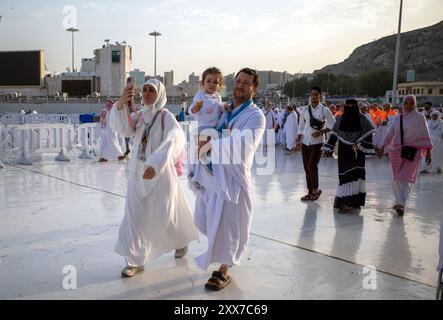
(422, 49)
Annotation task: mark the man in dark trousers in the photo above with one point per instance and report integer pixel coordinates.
(316, 120)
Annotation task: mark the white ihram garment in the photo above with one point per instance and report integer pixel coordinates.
(223, 210)
(110, 148)
(157, 215)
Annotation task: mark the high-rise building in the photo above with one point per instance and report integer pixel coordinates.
(228, 83)
(193, 79)
(113, 63)
(272, 79)
(139, 77)
(88, 65)
(169, 79)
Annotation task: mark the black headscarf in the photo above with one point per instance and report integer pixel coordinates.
(350, 120)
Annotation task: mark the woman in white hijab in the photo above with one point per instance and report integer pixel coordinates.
(435, 126)
(157, 215)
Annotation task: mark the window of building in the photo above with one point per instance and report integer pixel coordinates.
(422, 90)
(430, 91)
(116, 56)
(441, 91)
(413, 91)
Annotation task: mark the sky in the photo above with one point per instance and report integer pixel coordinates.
(280, 35)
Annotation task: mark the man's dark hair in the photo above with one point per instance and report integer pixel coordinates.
(428, 103)
(250, 72)
(318, 89)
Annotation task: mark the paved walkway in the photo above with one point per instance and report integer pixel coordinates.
(67, 214)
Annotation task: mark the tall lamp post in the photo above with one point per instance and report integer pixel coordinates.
(155, 34)
(397, 54)
(72, 30)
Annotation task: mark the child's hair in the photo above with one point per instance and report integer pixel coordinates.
(212, 70)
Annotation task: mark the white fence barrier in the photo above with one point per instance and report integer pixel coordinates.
(88, 135)
(18, 118)
(25, 144)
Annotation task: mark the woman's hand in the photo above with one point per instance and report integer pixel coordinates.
(428, 157)
(127, 95)
(380, 152)
(149, 173)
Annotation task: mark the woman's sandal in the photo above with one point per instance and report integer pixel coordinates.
(218, 281)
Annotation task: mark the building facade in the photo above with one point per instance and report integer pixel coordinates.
(139, 77)
(169, 79)
(113, 64)
(424, 91)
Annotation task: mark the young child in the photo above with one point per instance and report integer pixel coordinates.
(207, 106)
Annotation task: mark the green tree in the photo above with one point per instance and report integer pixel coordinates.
(375, 83)
(297, 87)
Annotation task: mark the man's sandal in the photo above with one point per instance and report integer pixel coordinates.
(218, 281)
(307, 197)
(315, 197)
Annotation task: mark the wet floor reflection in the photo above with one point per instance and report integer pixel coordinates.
(366, 238)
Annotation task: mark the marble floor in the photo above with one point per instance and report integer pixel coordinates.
(57, 217)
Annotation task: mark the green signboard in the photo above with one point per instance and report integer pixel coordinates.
(116, 56)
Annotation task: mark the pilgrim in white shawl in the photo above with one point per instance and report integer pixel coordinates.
(157, 216)
(291, 130)
(435, 126)
(354, 133)
(223, 210)
(270, 123)
(110, 148)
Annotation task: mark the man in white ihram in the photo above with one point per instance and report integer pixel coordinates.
(223, 210)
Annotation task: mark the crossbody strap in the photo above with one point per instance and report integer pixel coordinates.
(401, 129)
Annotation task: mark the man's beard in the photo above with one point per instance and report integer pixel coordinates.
(240, 98)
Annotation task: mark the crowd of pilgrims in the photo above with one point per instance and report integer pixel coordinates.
(380, 116)
(371, 136)
(158, 218)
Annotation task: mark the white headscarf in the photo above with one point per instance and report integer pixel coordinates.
(161, 101)
(432, 121)
(435, 112)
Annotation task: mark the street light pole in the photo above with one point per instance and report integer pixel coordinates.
(155, 34)
(72, 30)
(397, 54)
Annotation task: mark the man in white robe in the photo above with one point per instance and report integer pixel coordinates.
(157, 217)
(280, 135)
(291, 130)
(435, 126)
(110, 148)
(270, 123)
(223, 210)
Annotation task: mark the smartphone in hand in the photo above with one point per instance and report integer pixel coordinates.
(130, 82)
